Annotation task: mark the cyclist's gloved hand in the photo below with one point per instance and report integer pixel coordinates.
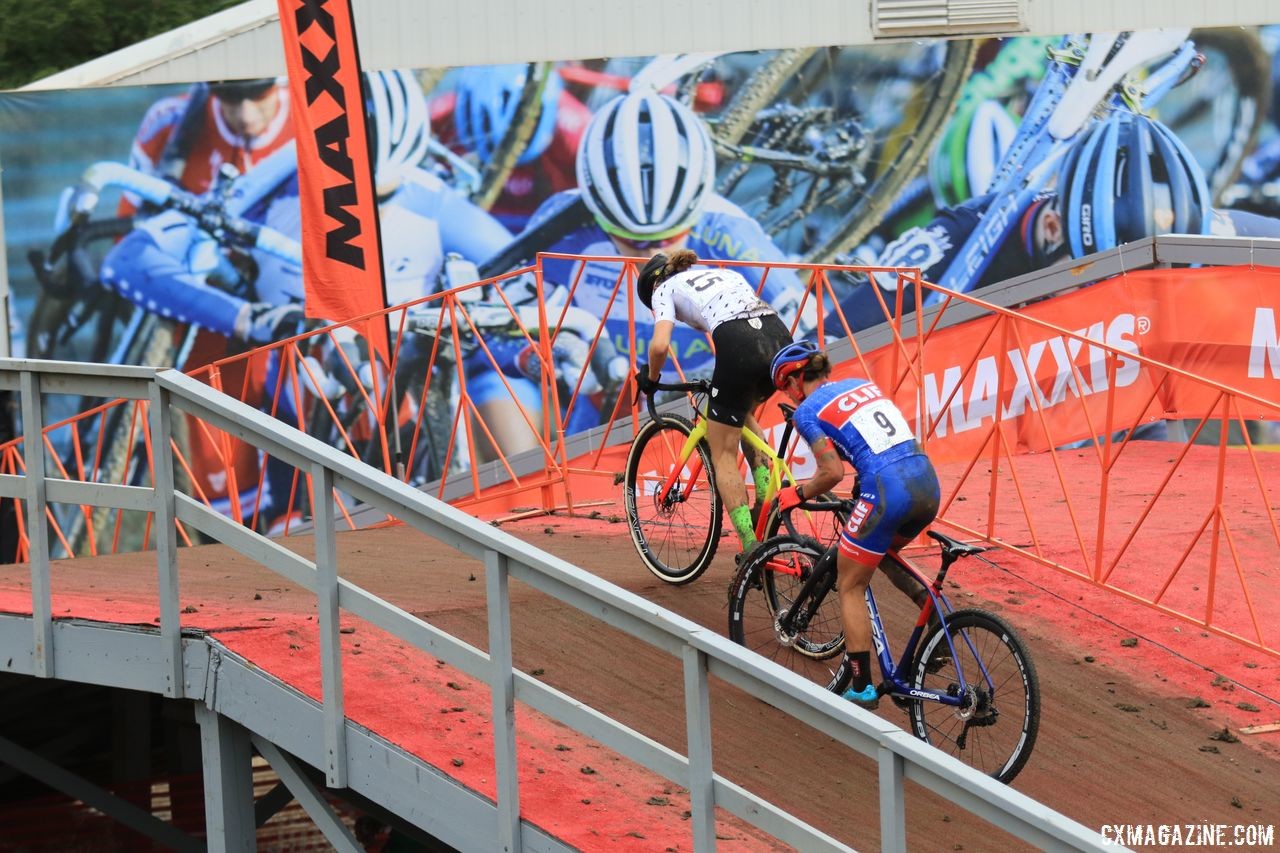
(644, 384)
(789, 498)
(264, 323)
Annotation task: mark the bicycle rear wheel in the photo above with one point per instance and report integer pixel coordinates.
(851, 125)
(676, 535)
(763, 588)
(1220, 111)
(996, 731)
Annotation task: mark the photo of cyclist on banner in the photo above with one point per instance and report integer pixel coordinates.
(477, 111)
(975, 160)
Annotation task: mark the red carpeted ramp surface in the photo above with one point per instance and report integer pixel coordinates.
(1146, 719)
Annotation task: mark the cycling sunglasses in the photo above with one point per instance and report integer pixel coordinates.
(646, 245)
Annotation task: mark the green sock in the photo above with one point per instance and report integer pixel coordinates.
(741, 518)
(761, 475)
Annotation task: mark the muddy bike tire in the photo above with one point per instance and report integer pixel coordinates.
(758, 91)
(153, 346)
(1220, 111)
(1003, 734)
(847, 214)
(814, 653)
(677, 541)
(516, 140)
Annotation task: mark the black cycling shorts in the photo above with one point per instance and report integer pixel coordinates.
(744, 354)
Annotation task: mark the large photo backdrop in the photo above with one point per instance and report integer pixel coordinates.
(891, 155)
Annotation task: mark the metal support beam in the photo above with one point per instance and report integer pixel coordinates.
(131, 746)
(893, 811)
(697, 705)
(228, 783)
(37, 526)
(337, 833)
(91, 795)
(161, 425)
(502, 685)
(335, 716)
(266, 806)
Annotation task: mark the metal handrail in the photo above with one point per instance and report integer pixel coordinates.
(704, 653)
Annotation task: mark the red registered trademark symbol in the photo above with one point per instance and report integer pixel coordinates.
(1144, 325)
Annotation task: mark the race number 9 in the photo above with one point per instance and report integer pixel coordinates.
(881, 425)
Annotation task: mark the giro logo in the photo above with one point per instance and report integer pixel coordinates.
(1086, 225)
(327, 95)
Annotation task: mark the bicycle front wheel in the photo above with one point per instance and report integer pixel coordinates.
(676, 532)
(995, 729)
(764, 589)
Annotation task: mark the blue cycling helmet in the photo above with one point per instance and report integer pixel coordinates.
(487, 99)
(790, 359)
(1126, 178)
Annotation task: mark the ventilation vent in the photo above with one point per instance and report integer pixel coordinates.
(891, 18)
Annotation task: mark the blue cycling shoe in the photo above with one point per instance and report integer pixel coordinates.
(868, 698)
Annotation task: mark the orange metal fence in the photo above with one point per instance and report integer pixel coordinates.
(1030, 414)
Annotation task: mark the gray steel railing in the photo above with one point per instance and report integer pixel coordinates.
(704, 653)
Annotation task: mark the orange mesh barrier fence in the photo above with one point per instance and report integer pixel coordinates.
(510, 396)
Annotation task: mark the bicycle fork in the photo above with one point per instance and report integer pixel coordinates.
(792, 620)
(671, 489)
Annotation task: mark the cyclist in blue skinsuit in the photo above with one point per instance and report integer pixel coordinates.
(851, 421)
(646, 170)
(421, 219)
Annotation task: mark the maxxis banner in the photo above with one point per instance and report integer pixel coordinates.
(341, 246)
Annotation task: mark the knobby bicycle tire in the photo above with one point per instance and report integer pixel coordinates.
(846, 214)
(676, 540)
(997, 735)
(152, 346)
(516, 139)
(1220, 111)
(758, 91)
(754, 600)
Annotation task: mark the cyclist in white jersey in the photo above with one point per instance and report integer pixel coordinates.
(746, 332)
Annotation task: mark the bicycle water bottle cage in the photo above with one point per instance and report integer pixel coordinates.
(1108, 58)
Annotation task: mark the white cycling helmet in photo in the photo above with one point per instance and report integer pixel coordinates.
(399, 124)
(645, 166)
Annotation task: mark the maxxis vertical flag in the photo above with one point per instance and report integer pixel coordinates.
(341, 246)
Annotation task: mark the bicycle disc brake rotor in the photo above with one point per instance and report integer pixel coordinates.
(784, 638)
(968, 708)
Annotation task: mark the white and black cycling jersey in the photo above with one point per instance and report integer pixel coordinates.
(703, 299)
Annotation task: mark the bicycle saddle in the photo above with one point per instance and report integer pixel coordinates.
(956, 548)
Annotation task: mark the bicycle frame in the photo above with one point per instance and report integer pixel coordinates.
(939, 604)
(778, 468)
(890, 671)
(1062, 105)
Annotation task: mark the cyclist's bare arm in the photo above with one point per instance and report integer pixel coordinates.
(659, 346)
(830, 468)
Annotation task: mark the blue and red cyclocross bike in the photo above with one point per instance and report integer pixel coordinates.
(673, 510)
(964, 678)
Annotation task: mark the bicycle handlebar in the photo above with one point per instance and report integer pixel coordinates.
(208, 211)
(815, 505)
(698, 386)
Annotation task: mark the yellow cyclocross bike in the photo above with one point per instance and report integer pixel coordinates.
(669, 488)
